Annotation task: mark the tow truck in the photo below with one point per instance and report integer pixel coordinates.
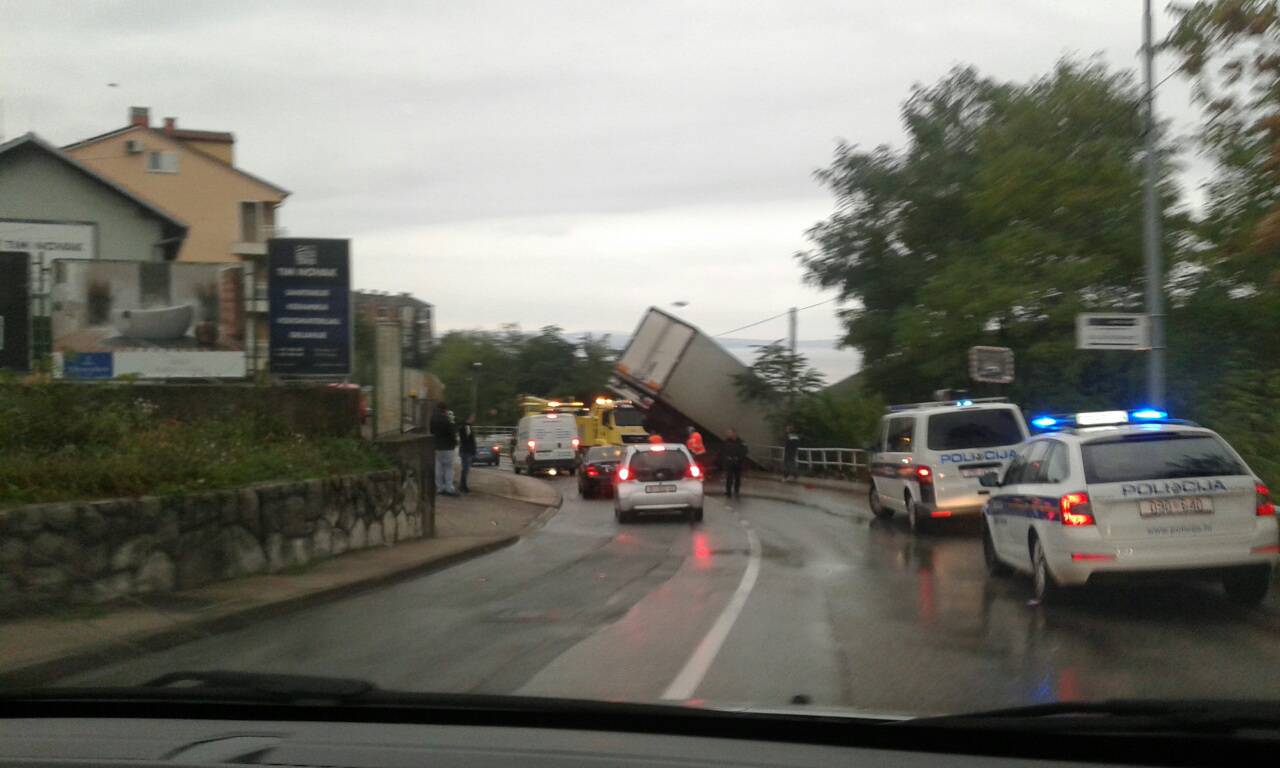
(607, 421)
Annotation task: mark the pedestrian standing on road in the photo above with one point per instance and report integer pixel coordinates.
(467, 450)
(791, 455)
(733, 454)
(446, 439)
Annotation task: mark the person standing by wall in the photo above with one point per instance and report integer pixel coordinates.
(467, 450)
(446, 440)
(733, 454)
(791, 455)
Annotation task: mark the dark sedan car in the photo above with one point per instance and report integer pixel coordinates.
(488, 453)
(598, 464)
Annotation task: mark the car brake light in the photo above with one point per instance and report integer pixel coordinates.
(1085, 556)
(533, 444)
(693, 471)
(658, 448)
(574, 442)
(592, 471)
(940, 513)
(497, 449)
(1076, 509)
(1266, 507)
(924, 475)
(624, 474)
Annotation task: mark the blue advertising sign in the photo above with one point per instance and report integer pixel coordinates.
(87, 366)
(309, 307)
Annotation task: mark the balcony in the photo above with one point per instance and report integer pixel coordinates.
(257, 245)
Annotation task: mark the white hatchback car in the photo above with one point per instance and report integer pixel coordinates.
(1120, 495)
(656, 478)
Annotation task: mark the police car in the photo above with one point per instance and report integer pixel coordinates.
(1122, 494)
(928, 457)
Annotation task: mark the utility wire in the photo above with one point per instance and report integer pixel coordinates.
(775, 317)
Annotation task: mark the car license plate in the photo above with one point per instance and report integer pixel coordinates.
(975, 471)
(659, 489)
(1182, 505)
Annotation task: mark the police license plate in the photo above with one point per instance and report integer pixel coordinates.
(975, 471)
(659, 489)
(1183, 505)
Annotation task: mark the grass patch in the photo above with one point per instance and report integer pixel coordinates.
(62, 443)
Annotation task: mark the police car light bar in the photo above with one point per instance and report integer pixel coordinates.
(1047, 422)
(964, 402)
(1098, 418)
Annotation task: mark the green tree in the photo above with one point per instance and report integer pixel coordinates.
(1011, 209)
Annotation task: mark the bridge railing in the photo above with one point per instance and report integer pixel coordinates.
(815, 462)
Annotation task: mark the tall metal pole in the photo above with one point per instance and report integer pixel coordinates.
(791, 338)
(1151, 225)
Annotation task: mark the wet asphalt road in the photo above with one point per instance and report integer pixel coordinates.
(763, 602)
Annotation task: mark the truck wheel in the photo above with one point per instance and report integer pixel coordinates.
(877, 507)
(1247, 587)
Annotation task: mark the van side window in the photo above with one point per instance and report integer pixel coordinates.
(902, 434)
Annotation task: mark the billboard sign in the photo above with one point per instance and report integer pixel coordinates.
(49, 240)
(15, 311)
(1113, 331)
(309, 306)
(154, 319)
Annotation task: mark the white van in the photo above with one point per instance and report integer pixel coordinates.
(928, 457)
(546, 441)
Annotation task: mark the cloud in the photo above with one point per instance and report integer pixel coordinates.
(549, 162)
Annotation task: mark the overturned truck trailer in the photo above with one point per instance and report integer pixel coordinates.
(685, 378)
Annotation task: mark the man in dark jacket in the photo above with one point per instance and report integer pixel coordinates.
(733, 454)
(446, 440)
(467, 450)
(791, 455)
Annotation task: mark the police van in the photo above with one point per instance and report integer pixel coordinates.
(927, 458)
(1117, 495)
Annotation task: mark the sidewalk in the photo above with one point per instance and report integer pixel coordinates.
(38, 650)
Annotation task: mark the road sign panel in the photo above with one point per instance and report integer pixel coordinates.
(1121, 331)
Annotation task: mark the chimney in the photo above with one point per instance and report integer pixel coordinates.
(140, 116)
(169, 124)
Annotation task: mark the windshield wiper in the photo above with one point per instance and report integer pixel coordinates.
(1123, 715)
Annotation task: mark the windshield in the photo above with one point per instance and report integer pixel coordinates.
(1160, 458)
(973, 429)
(628, 417)
(290, 292)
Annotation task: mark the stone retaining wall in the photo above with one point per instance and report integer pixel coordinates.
(97, 551)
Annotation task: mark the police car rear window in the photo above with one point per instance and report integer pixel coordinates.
(1159, 458)
(973, 429)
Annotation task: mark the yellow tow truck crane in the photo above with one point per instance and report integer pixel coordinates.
(612, 422)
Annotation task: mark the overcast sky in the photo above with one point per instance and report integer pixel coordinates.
(547, 162)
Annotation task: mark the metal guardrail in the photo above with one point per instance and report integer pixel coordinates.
(840, 462)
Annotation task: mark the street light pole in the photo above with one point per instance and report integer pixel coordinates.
(1151, 225)
(475, 388)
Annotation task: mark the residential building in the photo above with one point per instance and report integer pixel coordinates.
(230, 213)
(53, 206)
(416, 318)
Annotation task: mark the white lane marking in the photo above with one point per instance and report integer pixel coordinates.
(696, 667)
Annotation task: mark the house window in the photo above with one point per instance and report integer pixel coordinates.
(250, 222)
(162, 162)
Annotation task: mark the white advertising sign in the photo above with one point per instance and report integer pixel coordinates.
(1112, 331)
(54, 241)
